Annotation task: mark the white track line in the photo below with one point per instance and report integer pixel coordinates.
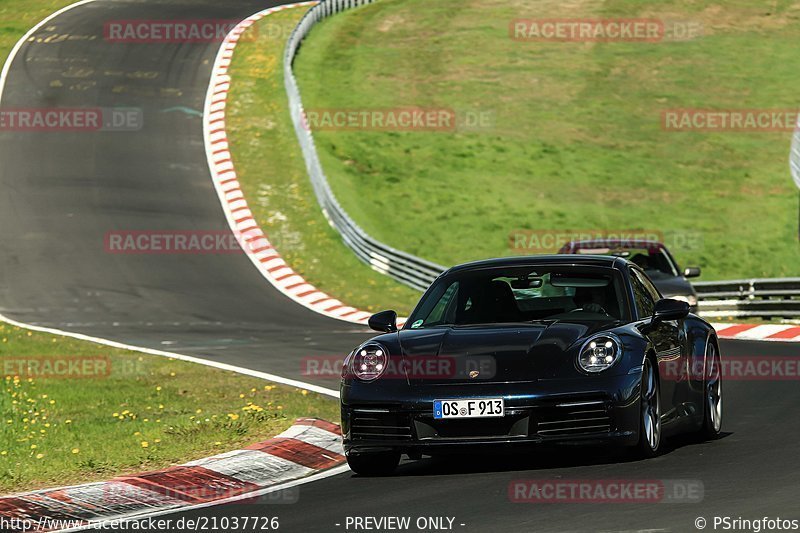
(181, 357)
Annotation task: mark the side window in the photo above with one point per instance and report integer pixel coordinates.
(645, 303)
(443, 306)
(651, 289)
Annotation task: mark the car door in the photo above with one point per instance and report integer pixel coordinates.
(667, 338)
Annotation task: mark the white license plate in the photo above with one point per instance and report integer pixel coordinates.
(478, 408)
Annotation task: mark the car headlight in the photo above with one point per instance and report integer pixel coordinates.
(690, 299)
(369, 361)
(600, 353)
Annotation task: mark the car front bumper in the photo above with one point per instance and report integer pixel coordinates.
(399, 417)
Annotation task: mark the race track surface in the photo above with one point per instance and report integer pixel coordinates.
(61, 193)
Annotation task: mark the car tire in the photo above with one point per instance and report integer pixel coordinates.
(374, 464)
(712, 394)
(650, 434)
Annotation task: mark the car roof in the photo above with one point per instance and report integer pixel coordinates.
(608, 261)
(616, 243)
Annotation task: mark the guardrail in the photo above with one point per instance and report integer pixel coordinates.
(406, 268)
(759, 297)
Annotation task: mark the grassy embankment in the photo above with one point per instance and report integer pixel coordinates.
(576, 139)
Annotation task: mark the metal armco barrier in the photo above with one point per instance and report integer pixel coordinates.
(406, 268)
(763, 298)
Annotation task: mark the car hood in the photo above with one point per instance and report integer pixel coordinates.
(500, 353)
(672, 285)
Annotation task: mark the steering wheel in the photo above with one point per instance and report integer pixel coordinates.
(592, 308)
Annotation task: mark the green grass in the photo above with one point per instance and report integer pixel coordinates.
(271, 170)
(576, 140)
(144, 412)
(18, 16)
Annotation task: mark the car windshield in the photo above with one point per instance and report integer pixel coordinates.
(529, 294)
(653, 260)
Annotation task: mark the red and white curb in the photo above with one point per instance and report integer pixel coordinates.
(308, 447)
(254, 242)
(759, 332)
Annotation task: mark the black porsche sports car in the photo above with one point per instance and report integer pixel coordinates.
(518, 351)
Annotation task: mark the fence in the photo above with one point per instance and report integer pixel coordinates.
(764, 298)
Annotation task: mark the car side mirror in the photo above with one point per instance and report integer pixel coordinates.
(691, 272)
(385, 322)
(669, 309)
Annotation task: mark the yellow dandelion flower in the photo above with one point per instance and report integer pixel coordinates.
(145, 444)
(39, 455)
(304, 392)
(4, 452)
(75, 451)
(158, 388)
(33, 446)
(68, 421)
(157, 440)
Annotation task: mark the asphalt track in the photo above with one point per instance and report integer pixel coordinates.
(61, 193)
